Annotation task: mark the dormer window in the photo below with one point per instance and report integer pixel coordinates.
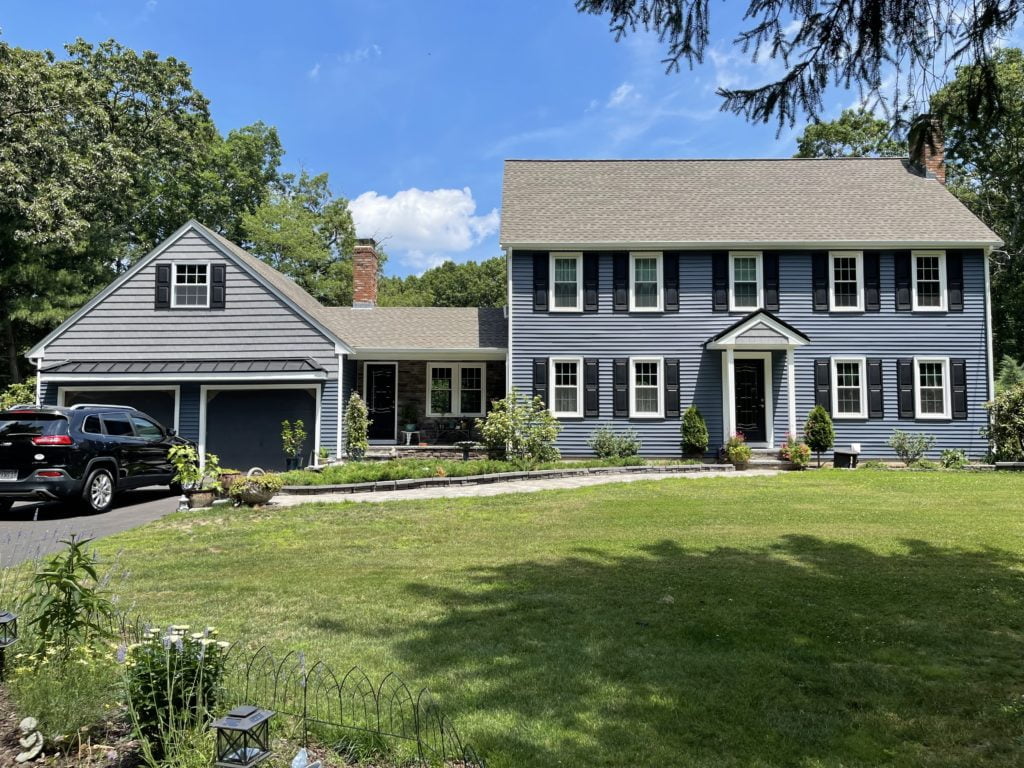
(191, 285)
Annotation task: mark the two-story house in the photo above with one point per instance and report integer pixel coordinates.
(753, 289)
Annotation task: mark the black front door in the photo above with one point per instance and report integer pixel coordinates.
(750, 412)
(380, 400)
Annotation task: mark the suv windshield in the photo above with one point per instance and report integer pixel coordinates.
(32, 424)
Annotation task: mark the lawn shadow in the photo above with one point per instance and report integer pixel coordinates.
(805, 652)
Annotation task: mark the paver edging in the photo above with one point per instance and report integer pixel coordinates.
(537, 474)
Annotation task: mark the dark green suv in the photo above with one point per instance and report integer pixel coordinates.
(83, 454)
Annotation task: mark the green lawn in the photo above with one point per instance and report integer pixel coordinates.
(813, 619)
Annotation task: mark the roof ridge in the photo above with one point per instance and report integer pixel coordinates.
(694, 159)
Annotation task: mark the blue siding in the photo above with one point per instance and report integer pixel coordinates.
(887, 335)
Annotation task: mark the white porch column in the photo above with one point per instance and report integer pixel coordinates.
(791, 383)
(730, 394)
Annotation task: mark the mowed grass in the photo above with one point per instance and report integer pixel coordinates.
(812, 619)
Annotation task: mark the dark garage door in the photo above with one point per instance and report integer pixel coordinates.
(157, 403)
(243, 426)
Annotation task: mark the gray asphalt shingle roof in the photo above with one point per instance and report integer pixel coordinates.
(418, 327)
(854, 201)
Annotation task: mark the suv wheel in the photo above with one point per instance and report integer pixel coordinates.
(98, 491)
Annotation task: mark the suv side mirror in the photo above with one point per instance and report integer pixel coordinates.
(171, 432)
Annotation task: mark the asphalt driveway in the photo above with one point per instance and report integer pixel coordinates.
(33, 529)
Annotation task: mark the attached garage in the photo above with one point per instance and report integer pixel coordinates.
(241, 425)
(159, 402)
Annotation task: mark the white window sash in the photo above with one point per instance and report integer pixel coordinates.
(456, 388)
(946, 389)
(578, 306)
(659, 389)
(759, 258)
(858, 256)
(659, 274)
(175, 284)
(941, 256)
(861, 362)
(578, 413)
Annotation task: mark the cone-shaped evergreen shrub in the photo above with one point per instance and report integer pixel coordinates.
(695, 432)
(818, 431)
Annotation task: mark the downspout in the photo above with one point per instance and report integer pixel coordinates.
(508, 324)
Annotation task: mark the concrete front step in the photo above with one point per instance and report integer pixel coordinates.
(766, 462)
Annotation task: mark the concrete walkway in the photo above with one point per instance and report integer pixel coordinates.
(511, 486)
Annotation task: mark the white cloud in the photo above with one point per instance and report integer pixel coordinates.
(357, 55)
(620, 95)
(426, 224)
(314, 73)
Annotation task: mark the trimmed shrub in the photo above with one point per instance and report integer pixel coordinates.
(357, 428)
(521, 428)
(910, 447)
(953, 458)
(1006, 424)
(694, 432)
(796, 451)
(818, 431)
(606, 443)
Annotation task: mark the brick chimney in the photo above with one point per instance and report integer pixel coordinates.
(364, 274)
(928, 149)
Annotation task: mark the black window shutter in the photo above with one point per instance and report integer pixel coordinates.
(590, 281)
(621, 383)
(905, 382)
(876, 398)
(955, 281)
(218, 286)
(901, 269)
(872, 281)
(163, 286)
(672, 389)
(771, 281)
(819, 281)
(540, 378)
(540, 282)
(591, 387)
(620, 281)
(959, 375)
(670, 266)
(823, 383)
(720, 282)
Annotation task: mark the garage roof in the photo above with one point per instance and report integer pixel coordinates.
(150, 367)
(426, 328)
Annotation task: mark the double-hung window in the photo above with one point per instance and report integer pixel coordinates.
(849, 390)
(846, 272)
(646, 384)
(929, 280)
(567, 282)
(746, 281)
(191, 285)
(566, 386)
(931, 387)
(645, 281)
(455, 389)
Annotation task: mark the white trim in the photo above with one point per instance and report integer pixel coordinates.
(204, 391)
(457, 388)
(858, 257)
(862, 374)
(763, 245)
(769, 411)
(430, 353)
(175, 283)
(366, 398)
(578, 413)
(946, 389)
(791, 387)
(508, 311)
(658, 256)
(38, 363)
(341, 406)
(730, 340)
(70, 377)
(758, 257)
(62, 391)
(576, 256)
(988, 331)
(943, 297)
(660, 414)
(728, 390)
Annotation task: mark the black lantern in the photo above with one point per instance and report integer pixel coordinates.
(8, 629)
(243, 737)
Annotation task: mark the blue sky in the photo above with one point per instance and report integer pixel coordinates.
(411, 106)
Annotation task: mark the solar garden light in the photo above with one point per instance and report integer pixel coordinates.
(8, 635)
(243, 737)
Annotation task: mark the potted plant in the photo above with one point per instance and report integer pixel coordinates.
(410, 416)
(293, 437)
(200, 484)
(256, 489)
(737, 451)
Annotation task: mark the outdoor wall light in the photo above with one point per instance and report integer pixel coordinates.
(243, 737)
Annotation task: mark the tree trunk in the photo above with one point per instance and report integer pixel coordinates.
(12, 350)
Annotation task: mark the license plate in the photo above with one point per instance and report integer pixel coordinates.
(8, 475)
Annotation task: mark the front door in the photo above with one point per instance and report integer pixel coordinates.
(380, 400)
(750, 407)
